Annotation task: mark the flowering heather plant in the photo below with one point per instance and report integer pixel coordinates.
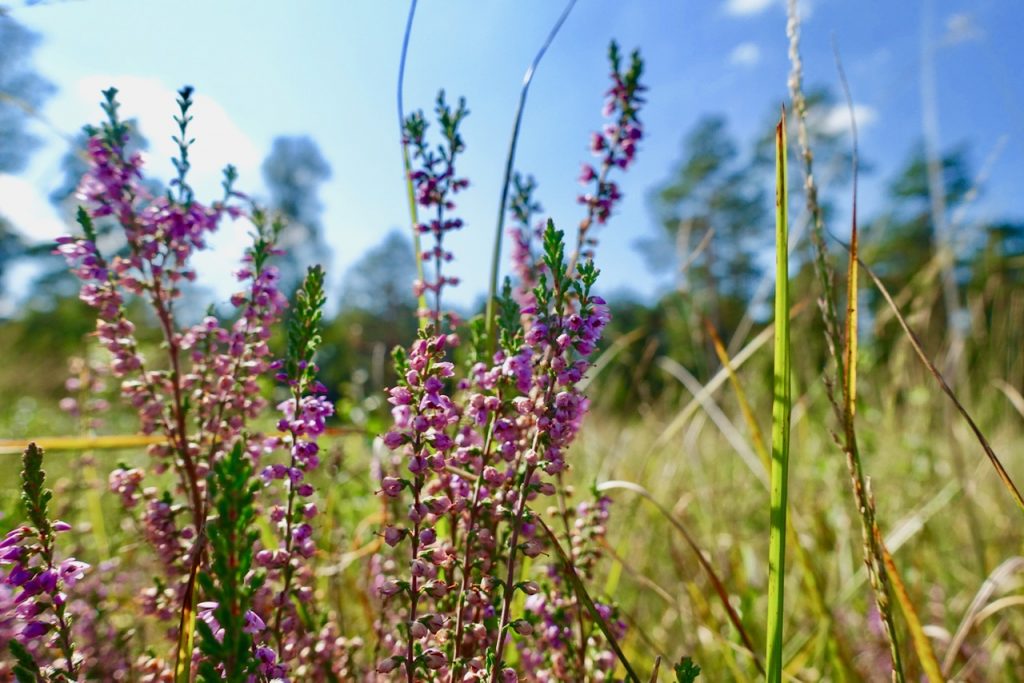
(476, 461)
(229, 514)
(208, 391)
(207, 394)
(477, 447)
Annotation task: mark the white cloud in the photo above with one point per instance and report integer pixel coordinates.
(745, 54)
(962, 28)
(24, 205)
(746, 8)
(751, 8)
(219, 141)
(837, 119)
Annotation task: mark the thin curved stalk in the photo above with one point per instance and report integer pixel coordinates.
(988, 588)
(492, 292)
(915, 343)
(584, 597)
(712, 575)
(407, 162)
(718, 379)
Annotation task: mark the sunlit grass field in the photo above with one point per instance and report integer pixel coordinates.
(948, 522)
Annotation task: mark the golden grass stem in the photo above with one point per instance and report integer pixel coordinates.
(922, 645)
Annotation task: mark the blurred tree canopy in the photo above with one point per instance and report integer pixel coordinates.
(22, 92)
(713, 219)
(293, 172)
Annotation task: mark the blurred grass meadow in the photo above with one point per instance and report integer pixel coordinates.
(901, 540)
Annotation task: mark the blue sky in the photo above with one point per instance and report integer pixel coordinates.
(328, 69)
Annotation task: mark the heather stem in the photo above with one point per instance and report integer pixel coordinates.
(510, 576)
(289, 569)
(166, 323)
(563, 512)
(410, 663)
(63, 626)
(466, 556)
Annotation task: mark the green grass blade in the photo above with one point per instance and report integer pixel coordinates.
(781, 408)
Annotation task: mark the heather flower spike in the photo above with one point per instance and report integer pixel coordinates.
(524, 235)
(44, 647)
(304, 417)
(435, 186)
(205, 390)
(615, 146)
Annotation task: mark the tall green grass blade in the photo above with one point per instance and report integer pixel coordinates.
(802, 557)
(510, 160)
(781, 409)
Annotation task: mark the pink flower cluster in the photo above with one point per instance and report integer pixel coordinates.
(616, 144)
(38, 582)
(558, 651)
(472, 455)
(86, 386)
